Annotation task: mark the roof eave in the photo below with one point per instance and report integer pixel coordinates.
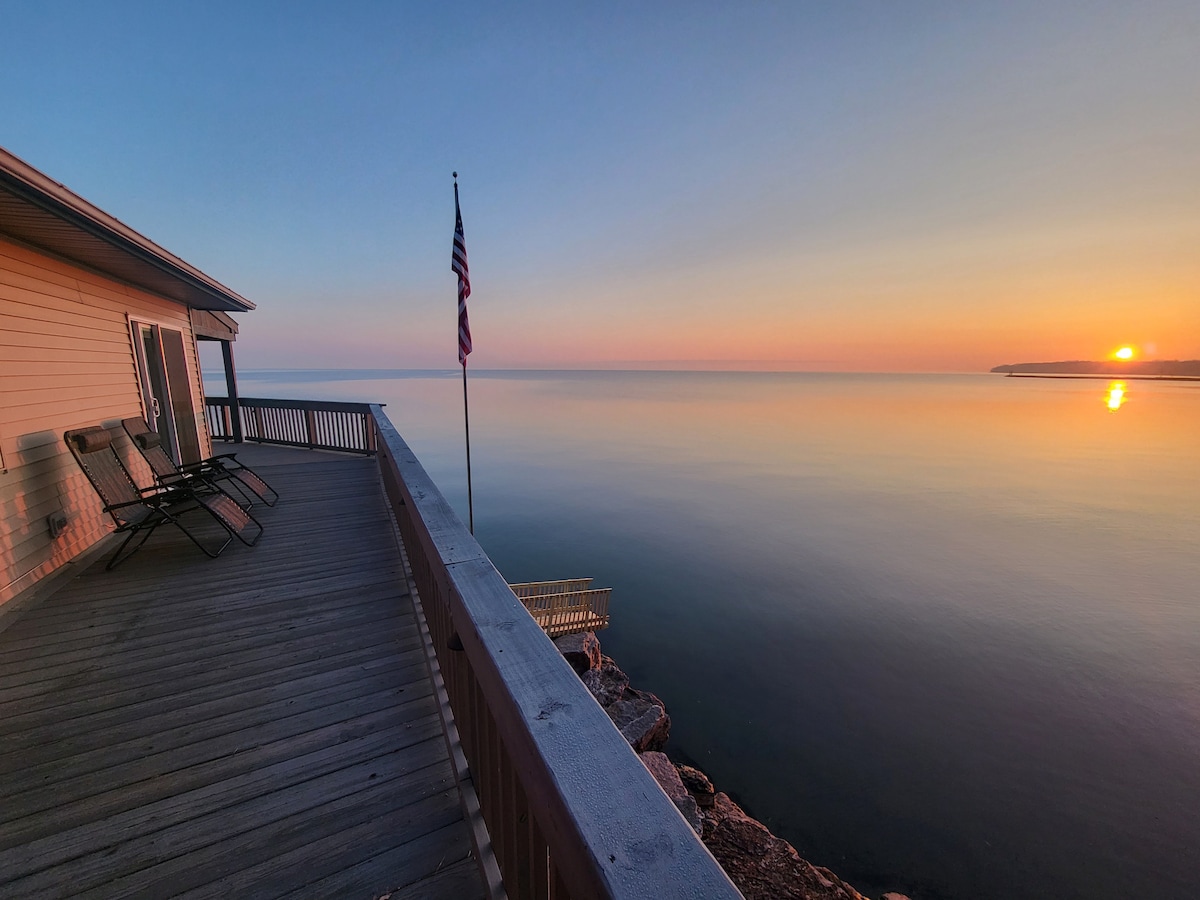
(141, 261)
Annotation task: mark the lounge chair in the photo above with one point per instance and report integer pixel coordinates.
(139, 510)
(222, 468)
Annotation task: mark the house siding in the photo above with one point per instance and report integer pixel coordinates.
(66, 361)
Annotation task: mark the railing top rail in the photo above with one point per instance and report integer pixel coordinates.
(324, 405)
(612, 831)
(536, 588)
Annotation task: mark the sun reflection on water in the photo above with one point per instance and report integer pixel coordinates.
(1116, 395)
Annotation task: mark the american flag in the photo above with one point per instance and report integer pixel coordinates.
(458, 265)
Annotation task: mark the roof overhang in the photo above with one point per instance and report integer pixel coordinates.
(211, 325)
(39, 211)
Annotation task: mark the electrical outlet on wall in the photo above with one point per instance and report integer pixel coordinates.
(57, 523)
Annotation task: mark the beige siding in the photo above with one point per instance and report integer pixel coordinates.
(66, 361)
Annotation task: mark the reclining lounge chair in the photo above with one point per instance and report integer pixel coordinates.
(141, 510)
(222, 468)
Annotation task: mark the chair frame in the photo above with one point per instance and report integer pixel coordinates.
(224, 467)
(159, 504)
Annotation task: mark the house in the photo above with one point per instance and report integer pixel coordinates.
(97, 323)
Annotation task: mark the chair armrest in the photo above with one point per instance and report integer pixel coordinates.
(155, 500)
(158, 488)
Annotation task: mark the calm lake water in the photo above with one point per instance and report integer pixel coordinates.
(942, 633)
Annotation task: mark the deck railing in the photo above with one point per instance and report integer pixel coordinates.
(316, 424)
(565, 607)
(569, 809)
(542, 588)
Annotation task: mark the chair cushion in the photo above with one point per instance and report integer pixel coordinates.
(91, 439)
(148, 439)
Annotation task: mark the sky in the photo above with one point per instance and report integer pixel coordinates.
(821, 186)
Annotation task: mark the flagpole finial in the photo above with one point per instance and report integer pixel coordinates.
(455, 174)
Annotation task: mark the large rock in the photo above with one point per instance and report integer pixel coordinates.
(606, 681)
(642, 718)
(639, 715)
(763, 866)
(582, 651)
(698, 786)
(667, 776)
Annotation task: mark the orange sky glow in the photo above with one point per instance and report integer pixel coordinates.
(839, 187)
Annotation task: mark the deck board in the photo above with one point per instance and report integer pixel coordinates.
(260, 725)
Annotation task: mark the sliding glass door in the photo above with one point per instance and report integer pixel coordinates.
(166, 391)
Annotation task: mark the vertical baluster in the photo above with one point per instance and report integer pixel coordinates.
(463, 700)
(558, 888)
(531, 872)
(539, 862)
(474, 748)
(489, 773)
(519, 877)
(509, 853)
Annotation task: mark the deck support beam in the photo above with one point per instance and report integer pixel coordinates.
(235, 412)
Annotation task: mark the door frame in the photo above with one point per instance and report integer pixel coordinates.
(176, 418)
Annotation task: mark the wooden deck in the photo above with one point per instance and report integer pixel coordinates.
(260, 725)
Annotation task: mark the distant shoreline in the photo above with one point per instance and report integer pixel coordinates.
(1152, 369)
(1098, 377)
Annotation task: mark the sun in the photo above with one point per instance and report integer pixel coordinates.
(1124, 353)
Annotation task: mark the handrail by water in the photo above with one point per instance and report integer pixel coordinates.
(570, 810)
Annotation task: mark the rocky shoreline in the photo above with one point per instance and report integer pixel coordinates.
(763, 866)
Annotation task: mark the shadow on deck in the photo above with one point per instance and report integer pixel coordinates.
(259, 725)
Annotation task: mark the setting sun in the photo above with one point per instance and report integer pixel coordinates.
(1124, 353)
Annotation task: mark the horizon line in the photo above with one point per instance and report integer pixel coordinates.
(455, 369)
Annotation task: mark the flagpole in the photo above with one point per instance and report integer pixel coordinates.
(467, 432)
(458, 265)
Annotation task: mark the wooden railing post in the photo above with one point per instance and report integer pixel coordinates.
(310, 428)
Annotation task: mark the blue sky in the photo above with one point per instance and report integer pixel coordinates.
(800, 185)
